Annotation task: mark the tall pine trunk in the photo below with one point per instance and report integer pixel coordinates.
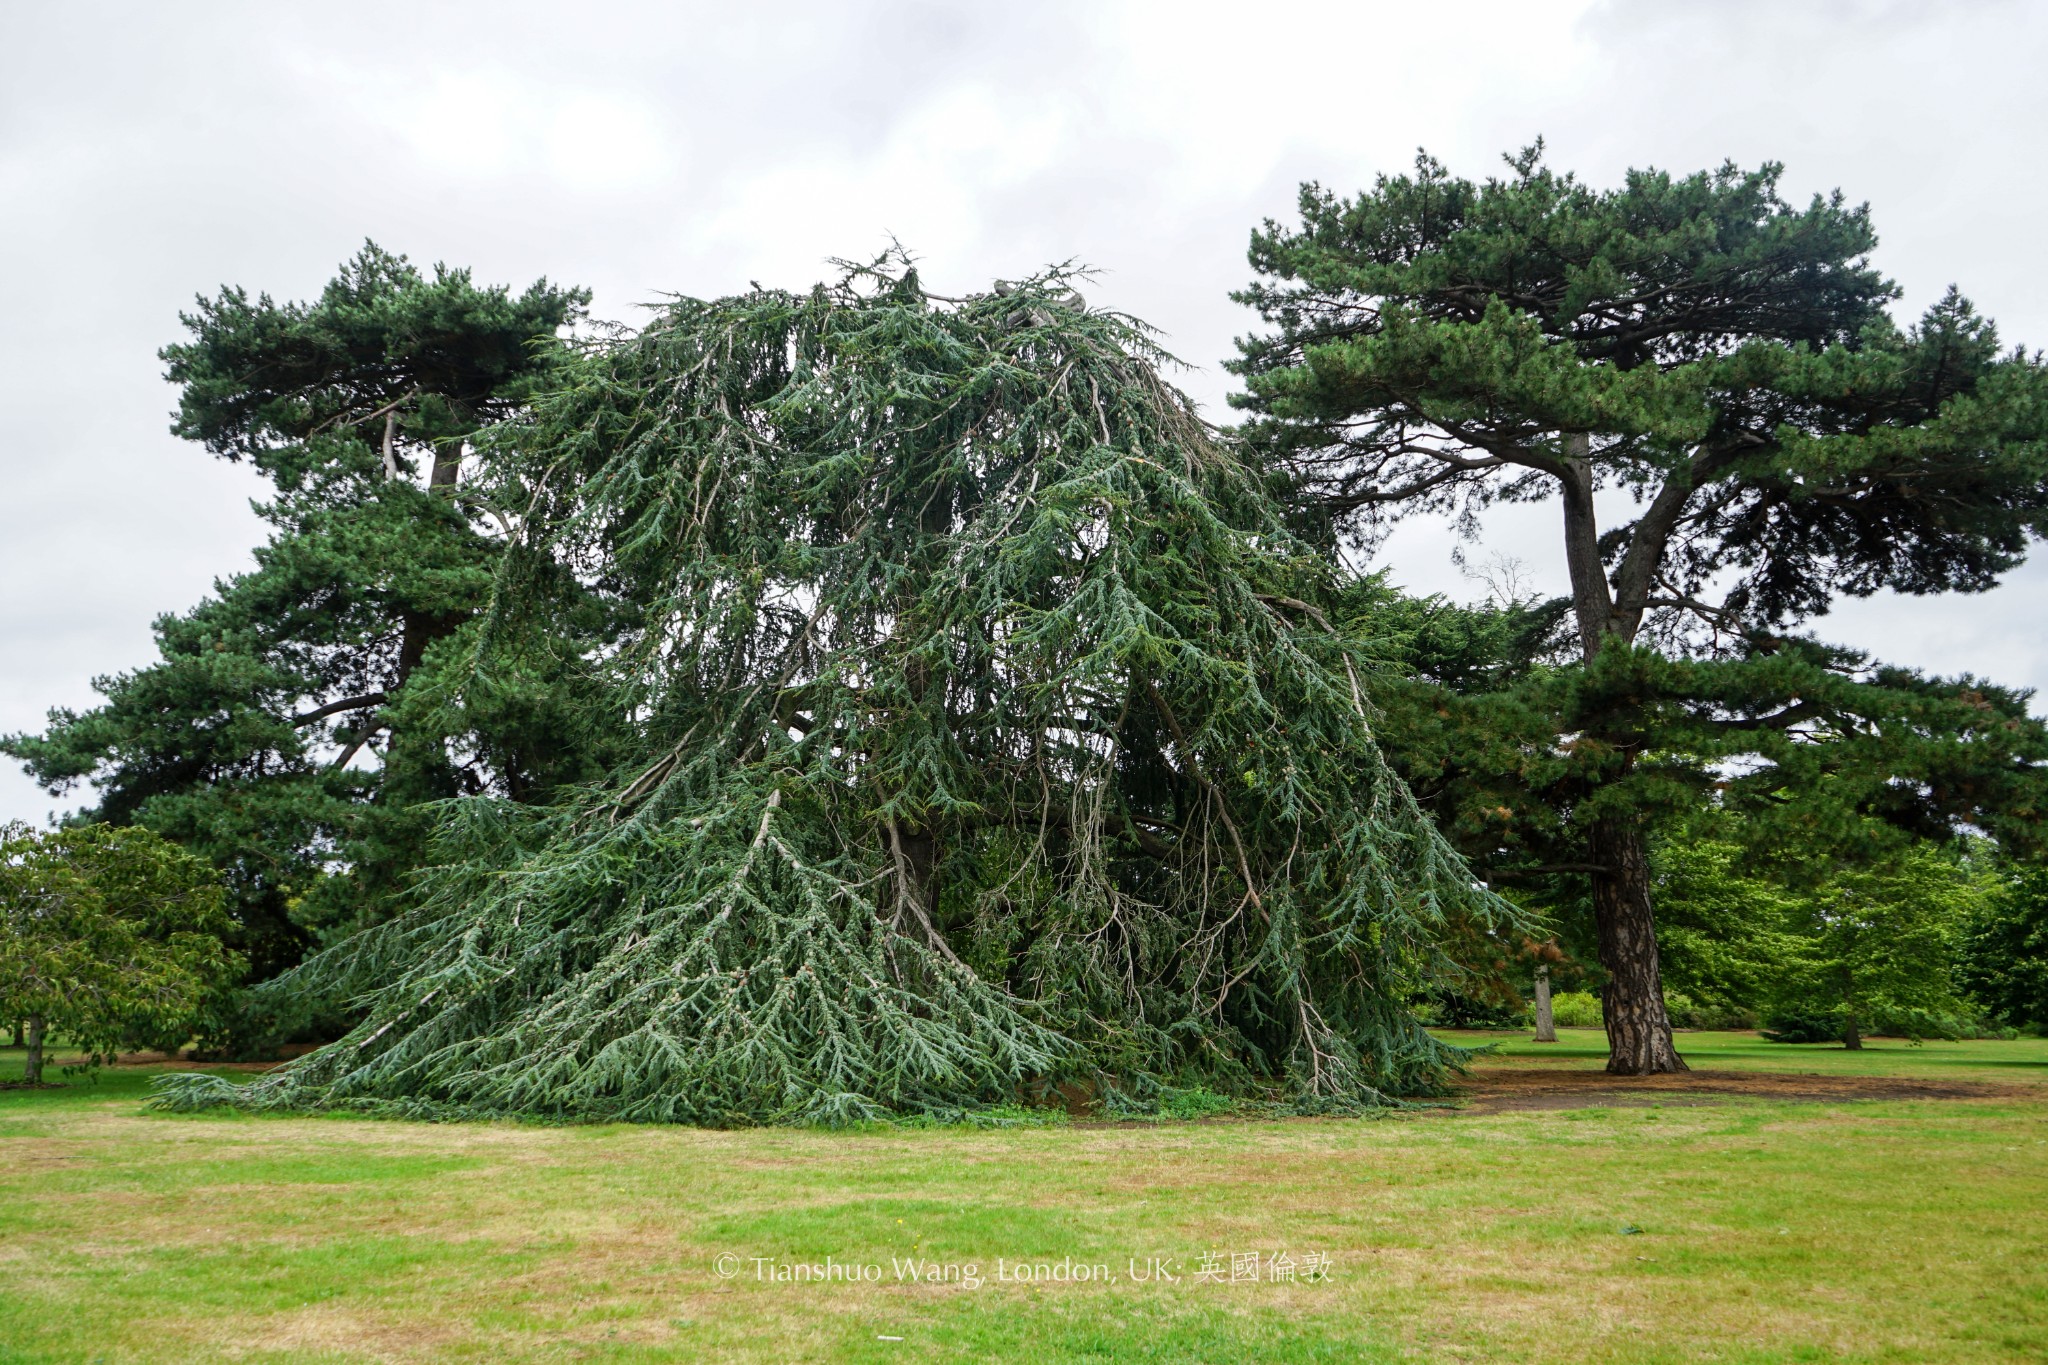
(420, 629)
(1546, 1023)
(33, 1068)
(916, 848)
(1638, 1029)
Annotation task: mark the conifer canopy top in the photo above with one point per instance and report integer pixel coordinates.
(994, 734)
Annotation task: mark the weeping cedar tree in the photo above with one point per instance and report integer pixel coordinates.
(993, 735)
(295, 718)
(1724, 362)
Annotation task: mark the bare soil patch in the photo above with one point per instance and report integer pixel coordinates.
(1507, 1089)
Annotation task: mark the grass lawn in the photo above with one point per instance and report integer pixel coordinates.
(1656, 1229)
(2016, 1062)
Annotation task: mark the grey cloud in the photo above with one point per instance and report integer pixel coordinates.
(151, 152)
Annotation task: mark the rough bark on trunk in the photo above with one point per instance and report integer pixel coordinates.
(916, 848)
(921, 856)
(422, 630)
(33, 1068)
(1852, 1038)
(1592, 599)
(1546, 1024)
(447, 466)
(1638, 1029)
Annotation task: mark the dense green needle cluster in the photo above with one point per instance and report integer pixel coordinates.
(1709, 383)
(295, 720)
(995, 738)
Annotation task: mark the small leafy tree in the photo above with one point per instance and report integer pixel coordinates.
(1877, 946)
(109, 936)
(1708, 383)
(1725, 931)
(2005, 950)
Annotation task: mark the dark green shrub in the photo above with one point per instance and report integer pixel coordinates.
(1686, 1013)
(1803, 1025)
(1449, 1009)
(2005, 951)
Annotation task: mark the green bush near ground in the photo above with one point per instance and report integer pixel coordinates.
(1576, 1009)
(1687, 1014)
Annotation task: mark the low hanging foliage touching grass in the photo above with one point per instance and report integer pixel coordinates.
(997, 745)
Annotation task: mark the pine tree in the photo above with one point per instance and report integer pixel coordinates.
(1726, 362)
(993, 733)
(296, 717)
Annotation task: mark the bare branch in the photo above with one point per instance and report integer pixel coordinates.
(367, 699)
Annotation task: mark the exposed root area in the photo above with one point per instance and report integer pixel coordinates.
(1518, 1088)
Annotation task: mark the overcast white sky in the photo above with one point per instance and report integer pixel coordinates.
(152, 151)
